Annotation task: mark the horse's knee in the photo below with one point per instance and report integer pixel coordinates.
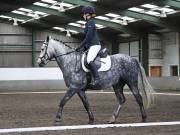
(122, 99)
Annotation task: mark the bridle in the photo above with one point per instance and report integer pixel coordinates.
(46, 56)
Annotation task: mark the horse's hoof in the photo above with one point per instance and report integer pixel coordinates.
(144, 120)
(91, 122)
(57, 122)
(112, 120)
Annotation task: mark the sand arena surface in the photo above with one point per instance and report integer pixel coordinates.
(20, 110)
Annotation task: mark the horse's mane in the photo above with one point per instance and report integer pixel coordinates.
(58, 40)
(65, 43)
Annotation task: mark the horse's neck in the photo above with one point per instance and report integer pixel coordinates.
(59, 48)
(68, 63)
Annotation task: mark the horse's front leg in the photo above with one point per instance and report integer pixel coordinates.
(84, 99)
(66, 97)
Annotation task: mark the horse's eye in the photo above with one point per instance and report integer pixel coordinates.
(42, 49)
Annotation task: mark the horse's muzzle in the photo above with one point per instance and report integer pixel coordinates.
(40, 63)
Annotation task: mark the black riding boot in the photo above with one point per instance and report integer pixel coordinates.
(94, 72)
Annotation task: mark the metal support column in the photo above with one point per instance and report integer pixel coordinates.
(115, 45)
(179, 51)
(129, 46)
(145, 53)
(33, 48)
(140, 51)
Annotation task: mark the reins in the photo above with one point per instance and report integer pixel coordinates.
(65, 54)
(65, 44)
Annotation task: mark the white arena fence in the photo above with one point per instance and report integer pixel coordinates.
(31, 79)
(52, 79)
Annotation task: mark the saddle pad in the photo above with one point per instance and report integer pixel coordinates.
(105, 65)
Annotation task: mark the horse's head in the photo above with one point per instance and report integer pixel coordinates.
(53, 48)
(46, 53)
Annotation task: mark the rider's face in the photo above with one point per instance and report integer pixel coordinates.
(86, 16)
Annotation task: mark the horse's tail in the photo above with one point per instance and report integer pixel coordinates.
(145, 87)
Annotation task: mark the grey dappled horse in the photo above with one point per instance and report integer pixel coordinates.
(124, 70)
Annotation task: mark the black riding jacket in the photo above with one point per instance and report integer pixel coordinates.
(91, 36)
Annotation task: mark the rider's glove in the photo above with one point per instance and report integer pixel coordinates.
(80, 49)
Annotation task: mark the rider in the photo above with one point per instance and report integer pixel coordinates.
(91, 41)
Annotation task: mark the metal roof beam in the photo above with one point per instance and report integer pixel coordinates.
(149, 18)
(18, 16)
(48, 11)
(171, 3)
(112, 25)
(103, 9)
(70, 27)
(87, 3)
(117, 27)
(72, 18)
(78, 2)
(78, 29)
(40, 22)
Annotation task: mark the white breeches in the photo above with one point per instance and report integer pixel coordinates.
(92, 53)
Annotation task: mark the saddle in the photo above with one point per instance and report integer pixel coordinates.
(102, 61)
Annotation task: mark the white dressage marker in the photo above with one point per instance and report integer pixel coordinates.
(60, 128)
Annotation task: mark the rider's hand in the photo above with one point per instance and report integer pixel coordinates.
(80, 49)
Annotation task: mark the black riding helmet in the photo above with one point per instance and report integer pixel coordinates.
(88, 9)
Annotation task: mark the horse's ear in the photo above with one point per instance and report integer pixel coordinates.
(48, 38)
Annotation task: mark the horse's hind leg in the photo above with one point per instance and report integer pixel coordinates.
(139, 100)
(118, 89)
(84, 99)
